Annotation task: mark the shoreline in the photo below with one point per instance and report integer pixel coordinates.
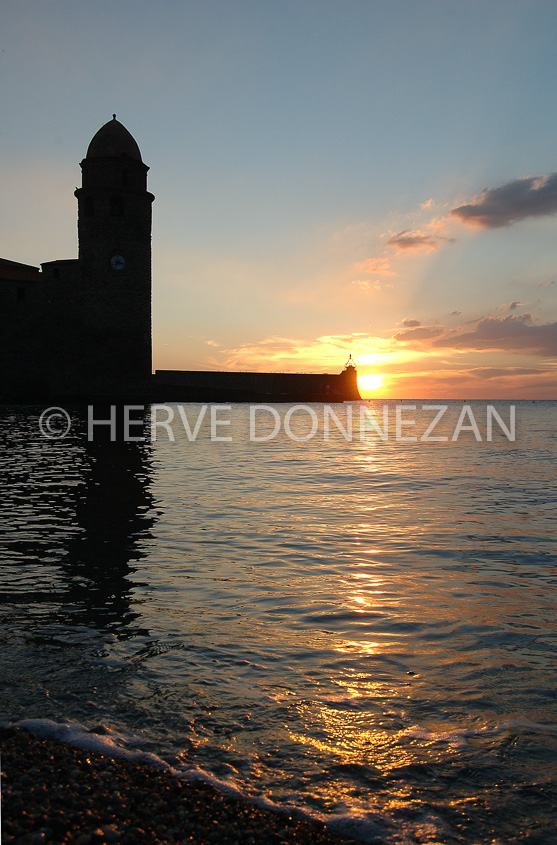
(55, 793)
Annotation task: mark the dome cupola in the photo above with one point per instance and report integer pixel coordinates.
(112, 141)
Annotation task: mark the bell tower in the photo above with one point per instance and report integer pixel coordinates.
(114, 233)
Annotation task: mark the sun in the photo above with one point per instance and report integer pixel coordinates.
(370, 382)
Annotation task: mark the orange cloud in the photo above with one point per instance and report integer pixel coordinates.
(511, 334)
(380, 266)
(419, 333)
(505, 372)
(417, 239)
(322, 354)
(476, 383)
(493, 359)
(369, 286)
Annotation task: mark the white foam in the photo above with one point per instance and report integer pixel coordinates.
(458, 737)
(366, 827)
(455, 738)
(99, 739)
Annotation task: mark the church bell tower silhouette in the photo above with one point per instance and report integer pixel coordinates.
(114, 232)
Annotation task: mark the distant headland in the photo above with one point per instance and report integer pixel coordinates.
(81, 328)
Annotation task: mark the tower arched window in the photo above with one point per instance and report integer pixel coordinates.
(117, 206)
(125, 178)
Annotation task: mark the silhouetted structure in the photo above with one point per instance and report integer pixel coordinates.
(257, 387)
(81, 328)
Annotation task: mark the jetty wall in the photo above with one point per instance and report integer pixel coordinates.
(211, 386)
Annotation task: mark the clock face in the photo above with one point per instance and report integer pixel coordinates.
(117, 262)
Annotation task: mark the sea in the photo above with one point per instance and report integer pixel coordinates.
(333, 610)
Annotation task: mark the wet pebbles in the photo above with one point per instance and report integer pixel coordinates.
(58, 794)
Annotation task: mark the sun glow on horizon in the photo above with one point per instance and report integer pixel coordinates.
(369, 383)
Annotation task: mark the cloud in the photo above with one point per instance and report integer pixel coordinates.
(547, 284)
(456, 313)
(410, 324)
(416, 239)
(422, 333)
(531, 196)
(294, 354)
(504, 372)
(511, 306)
(421, 368)
(381, 266)
(369, 286)
(510, 333)
(327, 353)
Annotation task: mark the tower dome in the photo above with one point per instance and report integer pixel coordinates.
(112, 141)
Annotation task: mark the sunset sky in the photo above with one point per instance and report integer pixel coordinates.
(374, 177)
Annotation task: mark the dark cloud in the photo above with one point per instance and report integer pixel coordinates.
(410, 324)
(532, 196)
(456, 313)
(503, 372)
(422, 333)
(512, 306)
(416, 240)
(547, 284)
(510, 333)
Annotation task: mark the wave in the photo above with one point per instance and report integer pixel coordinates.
(367, 827)
(458, 737)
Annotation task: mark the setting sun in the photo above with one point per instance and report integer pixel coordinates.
(369, 383)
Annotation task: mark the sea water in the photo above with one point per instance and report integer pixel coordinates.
(357, 626)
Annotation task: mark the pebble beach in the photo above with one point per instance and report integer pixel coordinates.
(54, 793)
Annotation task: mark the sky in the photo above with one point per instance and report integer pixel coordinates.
(332, 177)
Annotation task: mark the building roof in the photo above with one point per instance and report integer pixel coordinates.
(14, 271)
(113, 140)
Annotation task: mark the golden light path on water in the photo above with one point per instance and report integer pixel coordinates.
(348, 731)
(356, 740)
